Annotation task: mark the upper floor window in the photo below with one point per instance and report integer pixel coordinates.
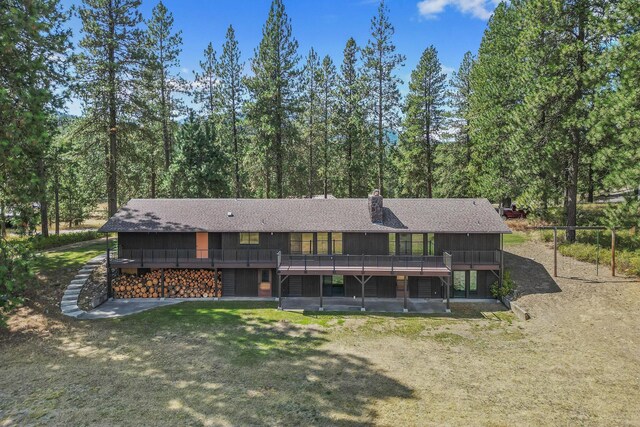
(336, 243)
(323, 243)
(249, 238)
(410, 244)
(392, 243)
(301, 243)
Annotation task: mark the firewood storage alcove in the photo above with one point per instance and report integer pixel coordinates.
(169, 283)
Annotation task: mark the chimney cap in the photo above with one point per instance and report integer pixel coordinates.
(375, 192)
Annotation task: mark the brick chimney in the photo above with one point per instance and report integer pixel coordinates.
(375, 207)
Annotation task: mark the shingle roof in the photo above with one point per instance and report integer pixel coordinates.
(300, 215)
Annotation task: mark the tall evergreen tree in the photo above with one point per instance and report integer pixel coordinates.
(453, 158)
(380, 61)
(351, 124)
(310, 107)
(230, 98)
(105, 68)
(495, 93)
(204, 91)
(274, 93)
(327, 91)
(198, 168)
(162, 47)
(423, 123)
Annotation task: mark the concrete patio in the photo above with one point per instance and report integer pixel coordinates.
(373, 305)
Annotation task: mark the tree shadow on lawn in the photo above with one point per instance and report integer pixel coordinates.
(209, 365)
(530, 276)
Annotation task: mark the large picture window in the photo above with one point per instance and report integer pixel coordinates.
(249, 238)
(336, 243)
(301, 243)
(392, 243)
(323, 243)
(404, 244)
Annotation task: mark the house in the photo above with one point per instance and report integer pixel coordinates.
(374, 247)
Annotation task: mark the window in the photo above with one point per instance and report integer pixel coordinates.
(295, 243)
(417, 244)
(323, 243)
(392, 243)
(473, 282)
(430, 244)
(404, 244)
(307, 243)
(336, 240)
(301, 243)
(249, 238)
(459, 285)
(333, 280)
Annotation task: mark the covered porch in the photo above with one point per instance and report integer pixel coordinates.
(374, 305)
(362, 268)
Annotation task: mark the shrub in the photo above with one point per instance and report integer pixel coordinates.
(15, 271)
(40, 243)
(508, 286)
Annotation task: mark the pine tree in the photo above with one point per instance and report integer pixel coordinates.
(230, 92)
(310, 107)
(495, 93)
(351, 124)
(204, 92)
(198, 168)
(380, 61)
(161, 50)
(327, 91)
(105, 68)
(424, 119)
(454, 157)
(274, 93)
(34, 44)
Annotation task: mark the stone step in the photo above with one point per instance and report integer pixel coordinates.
(71, 294)
(82, 275)
(68, 298)
(74, 313)
(78, 282)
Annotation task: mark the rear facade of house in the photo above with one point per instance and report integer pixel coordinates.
(375, 247)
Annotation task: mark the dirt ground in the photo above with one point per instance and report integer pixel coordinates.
(576, 362)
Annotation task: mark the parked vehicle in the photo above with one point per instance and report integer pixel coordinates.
(513, 213)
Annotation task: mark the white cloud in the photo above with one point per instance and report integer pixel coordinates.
(481, 9)
(184, 70)
(448, 70)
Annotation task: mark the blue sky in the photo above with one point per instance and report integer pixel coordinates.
(452, 26)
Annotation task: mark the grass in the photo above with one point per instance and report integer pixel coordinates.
(515, 238)
(70, 258)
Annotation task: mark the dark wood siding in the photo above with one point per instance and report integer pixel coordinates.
(369, 244)
(462, 242)
(228, 282)
(425, 287)
(380, 287)
(246, 282)
(157, 240)
(215, 241)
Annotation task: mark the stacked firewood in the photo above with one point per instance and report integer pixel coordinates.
(177, 284)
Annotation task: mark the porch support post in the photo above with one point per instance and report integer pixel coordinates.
(109, 288)
(321, 307)
(362, 308)
(162, 282)
(279, 292)
(449, 280)
(406, 293)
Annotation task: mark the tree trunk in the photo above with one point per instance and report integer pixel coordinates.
(112, 188)
(3, 221)
(591, 185)
(44, 205)
(56, 196)
(236, 156)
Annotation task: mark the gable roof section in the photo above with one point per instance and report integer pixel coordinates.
(305, 215)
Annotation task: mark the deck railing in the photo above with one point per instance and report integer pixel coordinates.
(362, 262)
(475, 257)
(195, 257)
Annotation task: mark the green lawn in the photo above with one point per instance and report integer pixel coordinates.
(515, 238)
(71, 258)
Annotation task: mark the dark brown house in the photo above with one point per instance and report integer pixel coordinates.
(391, 248)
